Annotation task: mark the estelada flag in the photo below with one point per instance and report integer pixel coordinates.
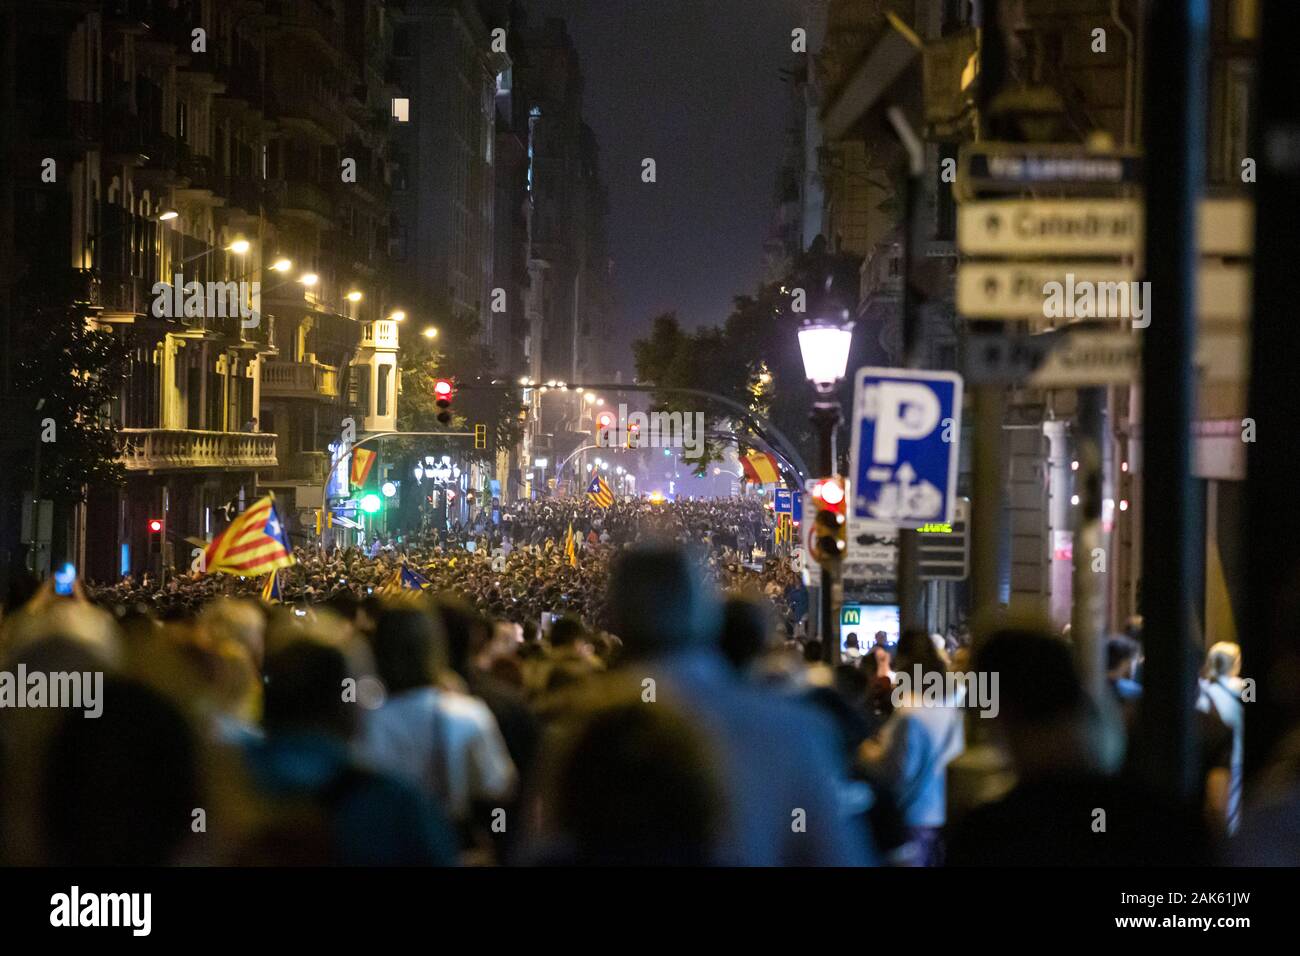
(271, 588)
(571, 547)
(598, 493)
(254, 543)
(362, 462)
(760, 468)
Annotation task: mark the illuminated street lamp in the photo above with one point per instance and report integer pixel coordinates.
(354, 295)
(824, 345)
(397, 315)
(430, 332)
(282, 265)
(825, 349)
(167, 215)
(309, 279)
(239, 247)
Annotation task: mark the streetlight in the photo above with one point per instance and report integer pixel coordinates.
(824, 345)
(282, 265)
(397, 315)
(167, 215)
(239, 247)
(430, 332)
(309, 279)
(354, 295)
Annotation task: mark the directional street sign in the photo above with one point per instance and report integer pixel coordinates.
(998, 290)
(993, 167)
(1067, 359)
(1019, 290)
(1110, 228)
(783, 501)
(906, 425)
(1104, 228)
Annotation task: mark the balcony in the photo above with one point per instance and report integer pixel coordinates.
(175, 449)
(381, 334)
(299, 380)
(310, 20)
(302, 199)
(304, 467)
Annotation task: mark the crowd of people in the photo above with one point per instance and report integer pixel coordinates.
(666, 715)
(515, 568)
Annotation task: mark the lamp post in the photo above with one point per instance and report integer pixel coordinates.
(824, 345)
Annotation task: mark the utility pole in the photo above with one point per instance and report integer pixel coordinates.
(1271, 651)
(1172, 531)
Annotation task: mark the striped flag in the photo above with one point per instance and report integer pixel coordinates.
(404, 579)
(571, 547)
(362, 462)
(599, 493)
(760, 468)
(271, 589)
(254, 543)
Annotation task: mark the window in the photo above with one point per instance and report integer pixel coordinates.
(381, 397)
(402, 110)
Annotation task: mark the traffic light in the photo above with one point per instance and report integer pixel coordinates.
(634, 435)
(829, 538)
(442, 393)
(480, 436)
(156, 528)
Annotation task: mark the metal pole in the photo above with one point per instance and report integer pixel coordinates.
(1174, 107)
(909, 544)
(1088, 613)
(986, 500)
(1271, 652)
(825, 418)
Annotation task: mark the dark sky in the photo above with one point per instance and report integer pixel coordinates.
(693, 84)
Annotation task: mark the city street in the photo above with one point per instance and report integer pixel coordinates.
(774, 434)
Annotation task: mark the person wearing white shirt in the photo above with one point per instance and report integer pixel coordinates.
(442, 740)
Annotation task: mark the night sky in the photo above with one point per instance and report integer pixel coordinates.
(695, 85)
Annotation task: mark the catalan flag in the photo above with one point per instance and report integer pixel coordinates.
(760, 468)
(271, 589)
(571, 547)
(599, 492)
(254, 543)
(404, 579)
(362, 462)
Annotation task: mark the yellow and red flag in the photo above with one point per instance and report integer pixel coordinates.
(571, 547)
(362, 462)
(255, 543)
(760, 468)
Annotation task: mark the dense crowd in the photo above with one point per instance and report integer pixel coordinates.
(515, 569)
(667, 716)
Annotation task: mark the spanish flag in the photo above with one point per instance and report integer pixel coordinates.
(254, 543)
(760, 468)
(571, 547)
(362, 462)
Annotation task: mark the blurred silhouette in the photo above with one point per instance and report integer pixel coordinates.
(784, 783)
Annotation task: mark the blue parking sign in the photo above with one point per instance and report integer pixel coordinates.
(784, 503)
(906, 428)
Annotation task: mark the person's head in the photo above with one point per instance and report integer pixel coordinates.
(1223, 660)
(120, 789)
(812, 651)
(567, 632)
(410, 649)
(1121, 656)
(636, 786)
(304, 690)
(660, 602)
(747, 628)
(240, 621)
(467, 631)
(916, 649)
(1042, 709)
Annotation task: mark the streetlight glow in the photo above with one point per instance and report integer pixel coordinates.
(397, 316)
(825, 350)
(239, 247)
(354, 296)
(282, 265)
(309, 279)
(430, 333)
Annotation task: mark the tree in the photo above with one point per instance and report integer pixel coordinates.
(753, 358)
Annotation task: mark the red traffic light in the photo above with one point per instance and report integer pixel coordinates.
(442, 388)
(605, 419)
(155, 525)
(829, 492)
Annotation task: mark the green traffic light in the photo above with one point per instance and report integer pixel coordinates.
(371, 503)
